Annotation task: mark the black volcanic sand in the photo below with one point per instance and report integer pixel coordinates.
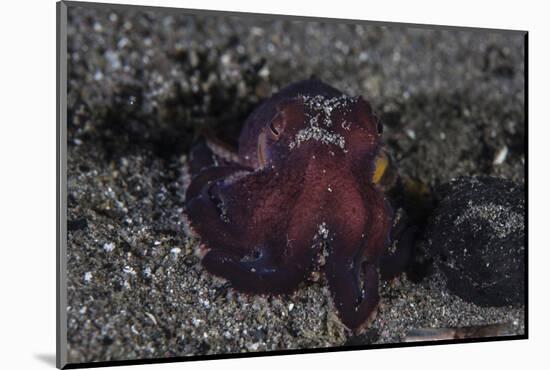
(140, 87)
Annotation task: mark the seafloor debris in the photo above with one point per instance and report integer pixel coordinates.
(477, 235)
(480, 331)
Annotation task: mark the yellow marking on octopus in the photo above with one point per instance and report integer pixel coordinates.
(380, 165)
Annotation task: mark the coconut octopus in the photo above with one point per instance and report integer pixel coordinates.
(305, 192)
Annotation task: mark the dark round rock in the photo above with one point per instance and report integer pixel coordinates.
(478, 240)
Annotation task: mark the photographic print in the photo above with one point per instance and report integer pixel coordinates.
(244, 184)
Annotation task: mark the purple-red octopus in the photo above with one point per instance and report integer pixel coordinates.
(304, 193)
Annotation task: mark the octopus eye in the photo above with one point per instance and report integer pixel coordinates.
(274, 131)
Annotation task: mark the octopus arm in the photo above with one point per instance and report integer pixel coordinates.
(400, 249)
(264, 271)
(278, 245)
(204, 208)
(360, 232)
(210, 152)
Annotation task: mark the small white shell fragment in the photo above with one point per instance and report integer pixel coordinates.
(151, 317)
(410, 133)
(87, 276)
(500, 157)
(108, 247)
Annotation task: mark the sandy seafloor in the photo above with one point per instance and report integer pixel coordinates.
(139, 86)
